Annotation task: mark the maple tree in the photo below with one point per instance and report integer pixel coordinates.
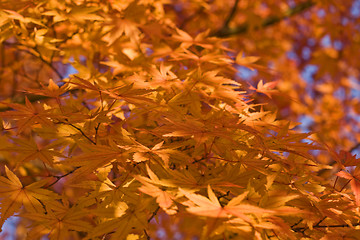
(154, 119)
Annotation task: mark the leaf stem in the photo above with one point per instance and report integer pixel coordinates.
(345, 185)
(58, 178)
(153, 214)
(82, 133)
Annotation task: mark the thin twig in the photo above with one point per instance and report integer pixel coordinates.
(345, 185)
(39, 56)
(153, 214)
(82, 133)
(96, 131)
(58, 178)
(326, 226)
(231, 15)
(318, 224)
(147, 235)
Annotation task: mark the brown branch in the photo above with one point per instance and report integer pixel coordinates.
(58, 178)
(82, 133)
(49, 64)
(300, 229)
(147, 235)
(345, 185)
(231, 15)
(39, 56)
(153, 214)
(244, 28)
(318, 224)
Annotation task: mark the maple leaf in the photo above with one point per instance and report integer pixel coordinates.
(280, 225)
(52, 90)
(84, 84)
(81, 13)
(163, 197)
(28, 115)
(29, 150)
(59, 221)
(122, 26)
(354, 178)
(156, 121)
(95, 157)
(163, 77)
(246, 61)
(143, 153)
(288, 141)
(343, 158)
(187, 41)
(14, 195)
(121, 226)
(210, 207)
(130, 94)
(347, 159)
(267, 88)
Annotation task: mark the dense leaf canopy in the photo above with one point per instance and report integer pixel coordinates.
(161, 119)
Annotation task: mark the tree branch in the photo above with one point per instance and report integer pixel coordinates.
(39, 56)
(300, 229)
(82, 133)
(153, 214)
(58, 178)
(231, 15)
(244, 28)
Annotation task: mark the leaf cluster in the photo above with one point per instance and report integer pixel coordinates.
(151, 131)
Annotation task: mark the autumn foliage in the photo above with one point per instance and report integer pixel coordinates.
(153, 119)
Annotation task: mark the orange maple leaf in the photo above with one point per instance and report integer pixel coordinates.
(30, 150)
(52, 90)
(163, 197)
(210, 207)
(354, 179)
(27, 115)
(58, 221)
(13, 195)
(267, 88)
